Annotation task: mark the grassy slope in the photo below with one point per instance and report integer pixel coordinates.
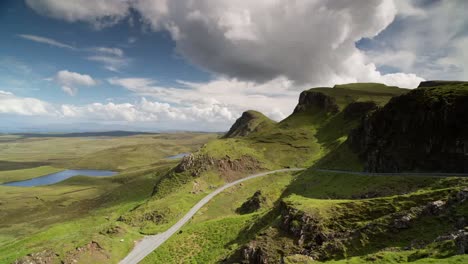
(303, 138)
(218, 231)
(215, 232)
(293, 142)
(51, 220)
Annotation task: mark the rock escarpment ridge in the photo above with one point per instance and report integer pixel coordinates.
(425, 130)
(311, 100)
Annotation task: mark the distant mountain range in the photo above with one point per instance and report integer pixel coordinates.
(86, 134)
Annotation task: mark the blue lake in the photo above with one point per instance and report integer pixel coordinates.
(60, 176)
(178, 156)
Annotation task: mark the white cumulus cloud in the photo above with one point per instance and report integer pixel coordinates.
(70, 81)
(308, 42)
(226, 98)
(11, 104)
(428, 39)
(99, 12)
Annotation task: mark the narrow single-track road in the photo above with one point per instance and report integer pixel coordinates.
(149, 243)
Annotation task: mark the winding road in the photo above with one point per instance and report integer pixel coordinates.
(149, 243)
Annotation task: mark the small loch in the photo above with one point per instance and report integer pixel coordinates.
(178, 156)
(58, 177)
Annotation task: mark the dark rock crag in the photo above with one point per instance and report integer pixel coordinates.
(425, 130)
(310, 100)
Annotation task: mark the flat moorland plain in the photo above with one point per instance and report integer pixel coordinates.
(81, 210)
(113, 153)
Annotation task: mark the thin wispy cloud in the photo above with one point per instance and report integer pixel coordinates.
(111, 63)
(110, 51)
(112, 59)
(48, 41)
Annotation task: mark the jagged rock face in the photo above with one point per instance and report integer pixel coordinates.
(316, 101)
(254, 254)
(424, 130)
(195, 164)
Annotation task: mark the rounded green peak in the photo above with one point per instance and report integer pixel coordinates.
(254, 114)
(250, 121)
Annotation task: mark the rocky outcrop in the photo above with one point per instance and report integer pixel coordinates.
(424, 130)
(316, 101)
(459, 239)
(311, 235)
(43, 257)
(254, 254)
(92, 250)
(227, 166)
(252, 204)
(250, 121)
(195, 164)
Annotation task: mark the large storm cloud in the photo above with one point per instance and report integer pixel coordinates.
(308, 41)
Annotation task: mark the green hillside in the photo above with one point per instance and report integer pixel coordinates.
(319, 216)
(303, 217)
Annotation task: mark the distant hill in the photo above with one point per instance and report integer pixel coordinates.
(86, 134)
(319, 125)
(249, 122)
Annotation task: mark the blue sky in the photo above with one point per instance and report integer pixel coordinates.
(197, 65)
(26, 64)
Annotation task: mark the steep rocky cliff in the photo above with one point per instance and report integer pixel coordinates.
(423, 130)
(311, 100)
